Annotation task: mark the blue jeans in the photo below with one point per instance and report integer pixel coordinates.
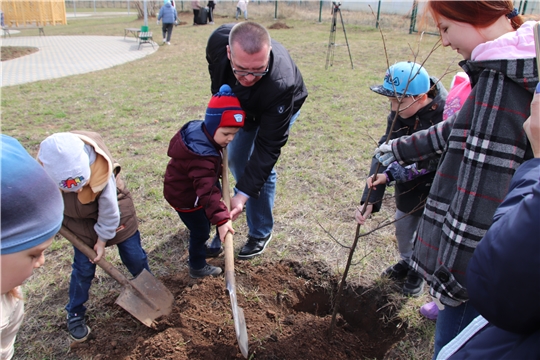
(260, 219)
(199, 231)
(450, 322)
(132, 255)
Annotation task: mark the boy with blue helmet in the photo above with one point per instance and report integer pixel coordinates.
(404, 78)
(419, 101)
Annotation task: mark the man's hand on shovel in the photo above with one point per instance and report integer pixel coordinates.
(237, 205)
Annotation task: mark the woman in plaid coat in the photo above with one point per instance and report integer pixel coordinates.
(481, 147)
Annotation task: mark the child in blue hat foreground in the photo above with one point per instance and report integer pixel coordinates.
(31, 214)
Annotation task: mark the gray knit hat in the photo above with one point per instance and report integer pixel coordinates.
(66, 162)
(32, 208)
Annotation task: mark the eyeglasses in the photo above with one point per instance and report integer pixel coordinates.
(246, 73)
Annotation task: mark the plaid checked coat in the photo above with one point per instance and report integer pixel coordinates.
(481, 147)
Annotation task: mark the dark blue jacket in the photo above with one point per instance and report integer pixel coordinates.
(503, 276)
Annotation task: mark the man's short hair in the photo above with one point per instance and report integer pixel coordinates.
(251, 36)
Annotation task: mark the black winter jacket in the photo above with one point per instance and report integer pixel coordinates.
(410, 195)
(269, 104)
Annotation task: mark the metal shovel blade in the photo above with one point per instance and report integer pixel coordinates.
(238, 313)
(146, 298)
(230, 281)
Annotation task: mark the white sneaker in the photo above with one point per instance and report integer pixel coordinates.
(168, 43)
(211, 23)
(164, 41)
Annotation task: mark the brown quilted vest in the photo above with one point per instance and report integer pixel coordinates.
(81, 209)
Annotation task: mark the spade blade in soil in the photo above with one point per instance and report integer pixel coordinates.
(230, 281)
(238, 315)
(146, 298)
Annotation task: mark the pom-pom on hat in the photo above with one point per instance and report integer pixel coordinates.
(65, 160)
(223, 110)
(31, 207)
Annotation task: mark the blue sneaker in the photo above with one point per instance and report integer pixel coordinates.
(78, 330)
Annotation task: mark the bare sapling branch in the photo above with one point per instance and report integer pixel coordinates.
(400, 98)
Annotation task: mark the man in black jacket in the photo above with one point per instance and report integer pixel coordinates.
(271, 91)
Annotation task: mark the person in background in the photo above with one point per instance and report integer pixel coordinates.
(191, 184)
(98, 209)
(196, 7)
(271, 91)
(211, 5)
(482, 146)
(241, 7)
(31, 214)
(504, 271)
(420, 101)
(169, 17)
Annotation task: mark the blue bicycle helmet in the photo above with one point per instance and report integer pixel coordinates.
(399, 75)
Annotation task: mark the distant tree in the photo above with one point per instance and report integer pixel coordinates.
(152, 6)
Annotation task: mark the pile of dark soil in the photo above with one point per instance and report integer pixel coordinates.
(279, 25)
(287, 307)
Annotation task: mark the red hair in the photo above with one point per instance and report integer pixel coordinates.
(478, 13)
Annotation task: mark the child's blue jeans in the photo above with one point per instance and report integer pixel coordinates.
(132, 255)
(199, 231)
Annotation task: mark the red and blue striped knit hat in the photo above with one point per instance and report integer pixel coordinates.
(223, 110)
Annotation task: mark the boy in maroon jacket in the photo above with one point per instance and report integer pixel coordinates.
(191, 183)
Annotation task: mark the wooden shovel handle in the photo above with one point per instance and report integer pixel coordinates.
(91, 254)
(228, 245)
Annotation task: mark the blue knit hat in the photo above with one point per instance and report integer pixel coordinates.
(223, 110)
(32, 208)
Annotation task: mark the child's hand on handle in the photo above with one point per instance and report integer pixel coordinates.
(532, 125)
(361, 219)
(99, 248)
(224, 229)
(376, 179)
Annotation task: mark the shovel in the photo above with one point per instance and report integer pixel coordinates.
(230, 282)
(144, 297)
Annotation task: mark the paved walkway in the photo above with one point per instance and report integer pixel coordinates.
(60, 56)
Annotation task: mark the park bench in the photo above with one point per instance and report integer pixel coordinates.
(145, 36)
(7, 29)
(133, 31)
